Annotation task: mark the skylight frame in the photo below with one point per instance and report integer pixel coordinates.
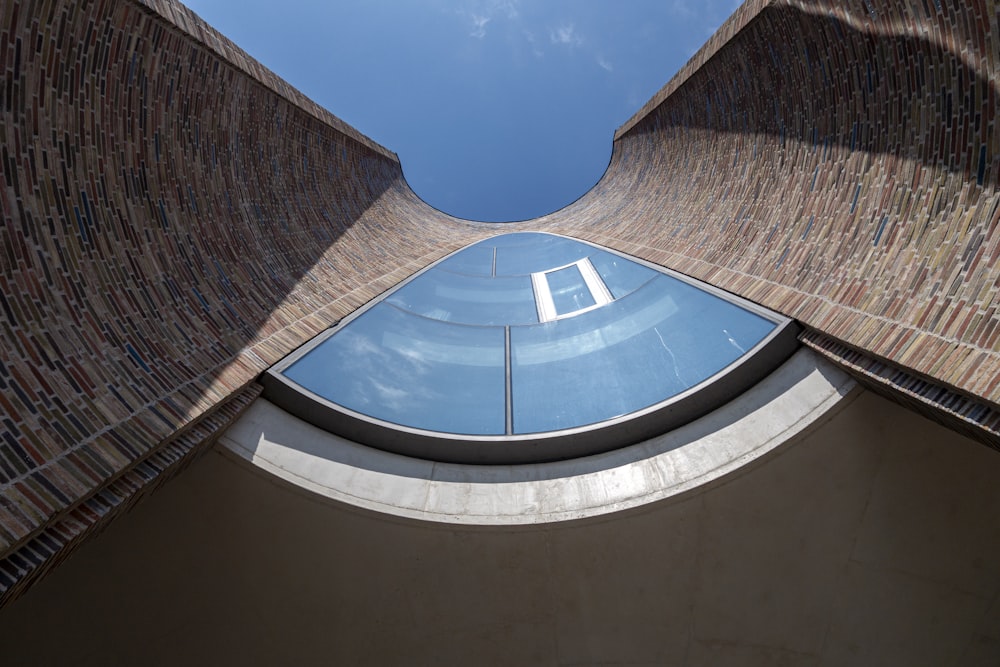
(598, 437)
(545, 304)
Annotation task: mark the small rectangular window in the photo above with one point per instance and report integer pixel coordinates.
(569, 290)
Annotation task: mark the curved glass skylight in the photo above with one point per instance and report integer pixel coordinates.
(529, 346)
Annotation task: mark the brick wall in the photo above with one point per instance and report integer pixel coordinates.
(837, 162)
(174, 218)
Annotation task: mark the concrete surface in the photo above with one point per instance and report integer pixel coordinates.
(871, 538)
(789, 400)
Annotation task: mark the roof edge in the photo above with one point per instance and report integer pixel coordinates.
(196, 28)
(739, 20)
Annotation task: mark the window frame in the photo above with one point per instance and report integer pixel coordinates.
(512, 449)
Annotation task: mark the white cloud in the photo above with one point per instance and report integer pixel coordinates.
(533, 41)
(486, 12)
(479, 26)
(603, 62)
(508, 8)
(565, 34)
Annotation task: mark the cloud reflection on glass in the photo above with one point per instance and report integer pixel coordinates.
(434, 354)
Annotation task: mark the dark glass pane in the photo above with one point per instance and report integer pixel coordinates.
(569, 291)
(469, 299)
(411, 370)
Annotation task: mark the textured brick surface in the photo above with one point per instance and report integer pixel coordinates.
(835, 162)
(174, 218)
(173, 222)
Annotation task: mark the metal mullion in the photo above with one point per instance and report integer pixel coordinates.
(598, 290)
(543, 297)
(509, 398)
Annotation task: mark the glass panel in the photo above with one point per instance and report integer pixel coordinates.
(447, 296)
(475, 260)
(411, 370)
(665, 337)
(622, 276)
(432, 355)
(569, 292)
(519, 239)
(531, 253)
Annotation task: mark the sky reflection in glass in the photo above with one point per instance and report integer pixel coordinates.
(622, 276)
(569, 291)
(434, 354)
(632, 353)
(526, 253)
(412, 370)
(469, 299)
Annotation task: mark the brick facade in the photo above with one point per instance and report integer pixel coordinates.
(175, 218)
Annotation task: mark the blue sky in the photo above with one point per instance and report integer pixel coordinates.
(498, 109)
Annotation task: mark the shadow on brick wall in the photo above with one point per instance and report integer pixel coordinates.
(875, 82)
(162, 212)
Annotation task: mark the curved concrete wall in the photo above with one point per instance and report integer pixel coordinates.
(871, 540)
(176, 218)
(795, 396)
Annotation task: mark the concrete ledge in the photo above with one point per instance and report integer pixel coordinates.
(800, 392)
